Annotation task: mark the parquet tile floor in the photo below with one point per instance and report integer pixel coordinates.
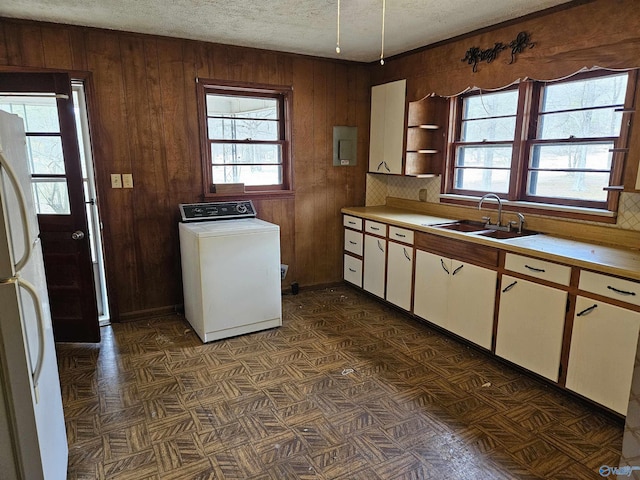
(347, 388)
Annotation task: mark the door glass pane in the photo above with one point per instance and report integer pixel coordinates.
(45, 155)
(40, 114)
(51, 196)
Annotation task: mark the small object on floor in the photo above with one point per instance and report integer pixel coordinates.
(488, 384)
(347, 371)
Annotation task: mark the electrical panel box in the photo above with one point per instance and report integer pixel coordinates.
(345, 146)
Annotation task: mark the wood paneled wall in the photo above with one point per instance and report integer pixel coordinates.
(144, 121)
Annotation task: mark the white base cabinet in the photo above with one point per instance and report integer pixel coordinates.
(531, 325)
(399, 274)
(455, 295)
(375, 257)
(353, 270)
(602, 354)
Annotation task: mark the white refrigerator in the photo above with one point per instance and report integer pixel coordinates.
(33, 441)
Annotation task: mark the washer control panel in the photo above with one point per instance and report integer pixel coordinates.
(200, 212)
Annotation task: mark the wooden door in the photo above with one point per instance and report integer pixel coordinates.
(57, 181)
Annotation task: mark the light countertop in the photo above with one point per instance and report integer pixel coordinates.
(609, 259)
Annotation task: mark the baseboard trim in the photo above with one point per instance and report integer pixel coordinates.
(148, 313)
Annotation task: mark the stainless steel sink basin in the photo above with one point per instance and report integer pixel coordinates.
(480, 229)
(462, 226)
(502, 235)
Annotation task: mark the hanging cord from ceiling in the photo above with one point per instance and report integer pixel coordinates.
(338, 31)
(382, 48)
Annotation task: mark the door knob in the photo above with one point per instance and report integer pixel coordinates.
(77, 235)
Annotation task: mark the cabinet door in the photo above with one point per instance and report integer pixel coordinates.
(399, 275)
(431, 288)
(386, 135)
(603, 352)
(472, 293)
(530, 325)
(376, 130)
(394, 125)
(375, 256)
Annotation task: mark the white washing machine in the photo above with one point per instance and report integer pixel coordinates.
(230, 269)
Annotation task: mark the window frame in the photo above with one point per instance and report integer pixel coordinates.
(281, 93)
(526, 132)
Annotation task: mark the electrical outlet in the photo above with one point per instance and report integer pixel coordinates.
(127, 180)
(116, 180)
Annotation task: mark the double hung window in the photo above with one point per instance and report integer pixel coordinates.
(245, 136)
(543, 142)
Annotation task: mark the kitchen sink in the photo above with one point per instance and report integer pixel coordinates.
(503, 235)
(462, 226)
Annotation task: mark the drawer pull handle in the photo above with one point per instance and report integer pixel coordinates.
(352, 242)
(401, 235)
(351, 223)
(457, 270)
(352, 270)
(443, 266)
(587, 311)
(534, 269)
(406, 254)
(621, 292)
(380, 246)
(509, 287)
(375, 228)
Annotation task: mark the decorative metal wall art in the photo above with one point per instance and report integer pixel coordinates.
(475, 54)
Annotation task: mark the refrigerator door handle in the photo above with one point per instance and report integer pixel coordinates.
(23, 211)
(41, 340)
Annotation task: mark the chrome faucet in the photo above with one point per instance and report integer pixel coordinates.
(498, 225)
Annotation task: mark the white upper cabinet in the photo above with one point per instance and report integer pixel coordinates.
(386, 135)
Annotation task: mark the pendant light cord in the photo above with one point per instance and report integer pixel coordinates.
(382, 48)
(338, 29)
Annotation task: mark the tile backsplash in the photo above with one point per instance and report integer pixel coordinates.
(379, 187)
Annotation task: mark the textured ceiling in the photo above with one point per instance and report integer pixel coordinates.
(298, 26)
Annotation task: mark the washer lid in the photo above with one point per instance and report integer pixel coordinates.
(228, 227)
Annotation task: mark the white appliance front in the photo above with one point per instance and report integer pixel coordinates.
(35, 445)
(231, 276)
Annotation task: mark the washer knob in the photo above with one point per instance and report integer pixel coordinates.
(242, 208)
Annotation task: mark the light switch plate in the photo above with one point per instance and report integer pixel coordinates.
(116, 180)
(127, 180)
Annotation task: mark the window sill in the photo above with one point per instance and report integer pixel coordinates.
(562, 211)
(251, 195)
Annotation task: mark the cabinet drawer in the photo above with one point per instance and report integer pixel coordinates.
(375, 228)
(353, 242)
(352, 222)
(537, 268)
(353, 270)
(401, 235)
(612, 287)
